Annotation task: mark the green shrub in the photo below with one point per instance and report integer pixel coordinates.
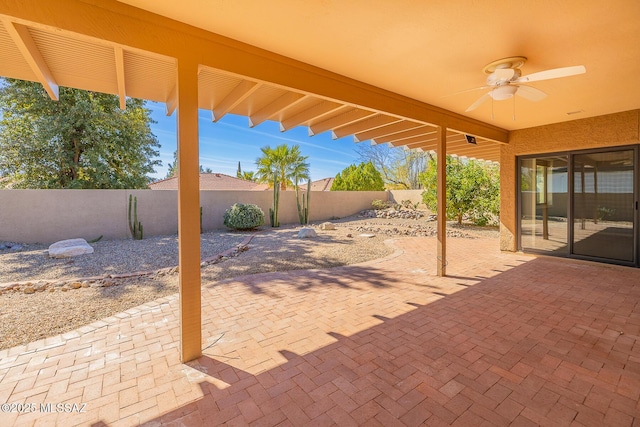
(379, 204)
(243, 217)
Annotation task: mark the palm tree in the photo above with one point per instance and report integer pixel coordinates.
(248, 176)
(283, 163)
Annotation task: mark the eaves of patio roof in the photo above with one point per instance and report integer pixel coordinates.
(114, 48)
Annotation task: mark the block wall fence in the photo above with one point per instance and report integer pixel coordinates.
(46, 216)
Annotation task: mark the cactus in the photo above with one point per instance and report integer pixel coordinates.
(303, 210)
(273, 212)
(135, 227)
(200, 219)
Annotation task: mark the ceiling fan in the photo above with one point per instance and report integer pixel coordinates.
(505, 80)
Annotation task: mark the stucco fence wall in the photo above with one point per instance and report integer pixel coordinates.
(46, 216)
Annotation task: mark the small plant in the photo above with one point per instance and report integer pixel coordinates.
(605, 213)
(135, 226)
(378, 204)
(201, 211)
(243, 217)
(408, 204)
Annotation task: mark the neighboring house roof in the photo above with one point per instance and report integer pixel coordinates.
(212, 181)
(323, 184)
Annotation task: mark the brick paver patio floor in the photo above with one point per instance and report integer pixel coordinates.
(506, 339)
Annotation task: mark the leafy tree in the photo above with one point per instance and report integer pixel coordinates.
(173, 167)
(83, 140)
(364, 177)
(400, 169)
(473, 189)
(282, 162)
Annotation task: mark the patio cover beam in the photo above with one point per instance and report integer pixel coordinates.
(340, 120)
(385, 130)
(235, 97)
(312, 113)
(30, 52)
(122, 24)
(400, 136)
(364, 125)
(119, 52)
(280, 104)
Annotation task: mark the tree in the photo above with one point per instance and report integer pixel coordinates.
(473, 189)
(83, 140)
(400, 169)
(173, 167)
(364, 177)
(248, 176)
(284, 163)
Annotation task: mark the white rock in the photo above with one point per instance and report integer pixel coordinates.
(327, 226)
(69, 248)
(368, 236)
(306, 233)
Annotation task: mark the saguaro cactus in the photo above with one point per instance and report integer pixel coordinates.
(273, 212)
(135, 226)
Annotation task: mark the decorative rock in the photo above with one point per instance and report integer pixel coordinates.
(306, 233)
(367, 235)
(327, 226)
(69, 248)
(75, 285)
(29, 290)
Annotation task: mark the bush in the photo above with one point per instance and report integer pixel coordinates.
(379, 204)
(243, 217)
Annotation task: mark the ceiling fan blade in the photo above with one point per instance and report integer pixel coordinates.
(466, 90)
(478, 102)
(531, 93)
(553, 74)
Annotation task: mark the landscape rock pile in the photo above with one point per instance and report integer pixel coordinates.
(394, 213)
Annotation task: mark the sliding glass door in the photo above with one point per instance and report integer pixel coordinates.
(581, 204)
(544, 204)
(604, 205)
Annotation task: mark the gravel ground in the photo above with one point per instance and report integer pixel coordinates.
(29, 317)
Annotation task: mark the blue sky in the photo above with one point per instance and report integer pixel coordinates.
(230, 140)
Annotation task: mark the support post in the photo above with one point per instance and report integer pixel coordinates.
(189, 212)
(442, 201)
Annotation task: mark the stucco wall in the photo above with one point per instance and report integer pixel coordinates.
(45, 216)
(415, 196)
(602, 131)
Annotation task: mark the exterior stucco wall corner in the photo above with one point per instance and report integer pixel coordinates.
(508, 198)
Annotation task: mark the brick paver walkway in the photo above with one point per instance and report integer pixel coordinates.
(504, 340)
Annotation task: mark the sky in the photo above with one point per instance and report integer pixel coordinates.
(230, 140)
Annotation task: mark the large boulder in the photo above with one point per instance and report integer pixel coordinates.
(306, 233)
(69, 248)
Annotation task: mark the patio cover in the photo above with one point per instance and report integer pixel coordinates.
(114, 48)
